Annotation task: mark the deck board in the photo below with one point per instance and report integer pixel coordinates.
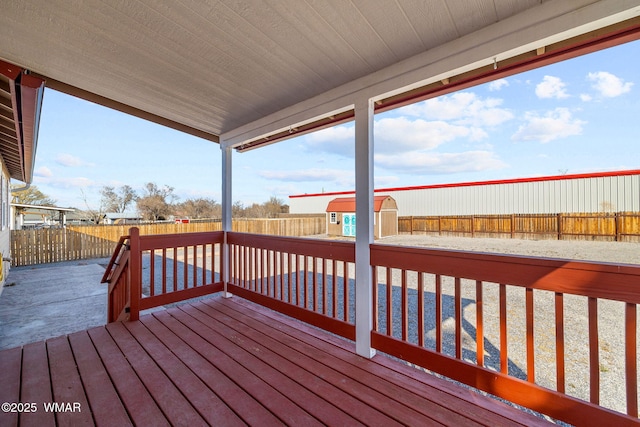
(101, 394)
(231, 362)
(35, 384)
(10, 366)
(67, 385)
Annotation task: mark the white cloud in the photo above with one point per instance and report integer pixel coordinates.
(66, 183)
(608, 85)
(43, 171)
(462, 108)
(585, 97)
(498, 84)
(341, 177)
(555, 124)
(337, 140)
(69, 160)
(551, 87)
(401, 134)
(423, 163)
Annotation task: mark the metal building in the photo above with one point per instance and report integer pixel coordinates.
(595, 192)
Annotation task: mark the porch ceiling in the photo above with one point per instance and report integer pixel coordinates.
(210, 68)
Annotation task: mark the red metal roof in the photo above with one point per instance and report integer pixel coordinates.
(491, 182)
(348, 204)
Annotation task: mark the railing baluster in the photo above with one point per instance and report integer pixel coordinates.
(195, 265)
(405, 306)
(185, 267)
(504, 353)
(438, 322)
(479, 325)
(298, 281)
(559, 311)
(594, 353)
(631, 361)
(305, 268)
(164, 270)
(420, 309)
(204, 264)
(281, 270)
(334, 284)
(458, 316)
(265, 271)
(252, 273)
(271, 274)
(325, 289)
(529, 310)
(389, 303)
(175, 268)
(315, 284)
(152, 273)
(345, 290)
(374, 289)
(290, 296)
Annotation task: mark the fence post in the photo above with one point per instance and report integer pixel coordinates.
(411, 226)
(135, 273)
(559, 216)
(513, 225)
(473, 226)
(616, 222)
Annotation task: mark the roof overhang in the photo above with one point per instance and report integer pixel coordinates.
(20, 106)
(590, 37)
(250, 74)
(41, 207)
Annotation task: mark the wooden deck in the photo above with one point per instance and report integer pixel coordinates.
(229, 362)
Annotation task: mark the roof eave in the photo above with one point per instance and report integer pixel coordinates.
(25, 92)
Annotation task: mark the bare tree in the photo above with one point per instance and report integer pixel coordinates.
(275, 206)
(199, 208)
(156, 203)
(117, 200)
(93, 215)
(31, 196)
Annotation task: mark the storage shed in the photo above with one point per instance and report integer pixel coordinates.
(341, 217)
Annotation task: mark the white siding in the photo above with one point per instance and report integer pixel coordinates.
(591, 194)
(5, 232)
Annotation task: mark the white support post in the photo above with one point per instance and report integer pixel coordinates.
(227, 219)
(364, 226)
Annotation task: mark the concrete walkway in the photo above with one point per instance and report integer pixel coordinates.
(45, 301)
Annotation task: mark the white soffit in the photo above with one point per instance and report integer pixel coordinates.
(246, 68)
(547, 24)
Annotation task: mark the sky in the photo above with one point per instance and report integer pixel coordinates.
(577, 116)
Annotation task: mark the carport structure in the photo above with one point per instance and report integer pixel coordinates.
(246, 74)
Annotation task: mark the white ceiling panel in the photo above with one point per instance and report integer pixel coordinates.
(217, 65)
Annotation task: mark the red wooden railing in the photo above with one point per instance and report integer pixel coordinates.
(117, 275)
(498, 323)
(450, 289)
(308, 279)
(156, 270)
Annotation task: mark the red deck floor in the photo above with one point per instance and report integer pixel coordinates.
(228, 362)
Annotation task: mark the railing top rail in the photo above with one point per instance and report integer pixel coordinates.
(321, 248)
(114, 258)
(618, 282)
(159, 241)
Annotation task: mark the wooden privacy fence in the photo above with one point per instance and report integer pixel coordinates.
(75, 242)
(618, 226)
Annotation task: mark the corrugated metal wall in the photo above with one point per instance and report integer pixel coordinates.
(593, 194)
